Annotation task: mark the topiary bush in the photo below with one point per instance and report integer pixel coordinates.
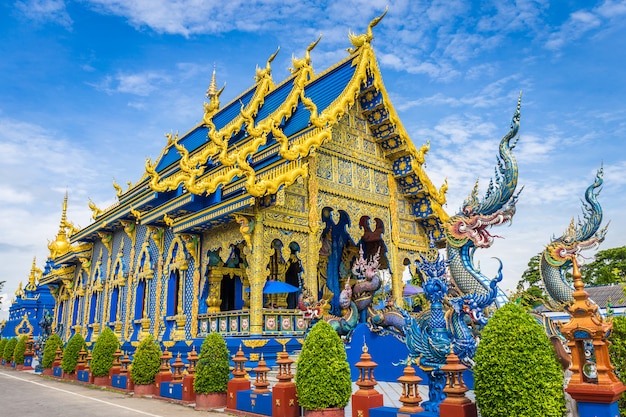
(70, 355)
(146, 361)
(323, 373)
(516, 371)
(102, 353)
(8, 350)
(20, 350)
(212, 372)
(3, 343)
(49, 350)
(617, 352)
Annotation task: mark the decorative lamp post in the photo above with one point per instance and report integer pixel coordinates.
(177, 369)
(593, 385)
(284, 392)
(456, 404)
(366, 396)
(410, 398)
(238, 382)
(164, 375)
(260, 384)
(188, 393)
(192, 358)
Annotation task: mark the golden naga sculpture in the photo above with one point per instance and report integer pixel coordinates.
(246, 227)
(118, 188)
(360, 40)
(267, 71)
(305, 62)
(95, 211)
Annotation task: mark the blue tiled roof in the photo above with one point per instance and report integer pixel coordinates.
(323, 91)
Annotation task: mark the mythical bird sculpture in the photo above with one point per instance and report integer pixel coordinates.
(556, 258)
(467, 231)
(345, 325)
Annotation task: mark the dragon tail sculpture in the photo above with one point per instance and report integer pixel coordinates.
(467, 231)
(585, 234)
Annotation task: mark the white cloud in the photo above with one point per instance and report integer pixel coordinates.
(42, 11)
(140, 83)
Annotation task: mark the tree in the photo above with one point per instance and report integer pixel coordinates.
(9, 348)
(530, 293)
(49, 350)
(72, 350)
(102, 354)
(20, 350)
(617, 352)
(146, 361)
(608, 267)
(516, 371)
(212, 372)
(323, 373)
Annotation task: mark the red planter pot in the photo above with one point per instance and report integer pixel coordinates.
(210, 401)
(141, 390)
(102, 381)
(326, 412)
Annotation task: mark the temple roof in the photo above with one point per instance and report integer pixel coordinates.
(257, 144)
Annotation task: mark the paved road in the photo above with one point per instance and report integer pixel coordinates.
(29, 395)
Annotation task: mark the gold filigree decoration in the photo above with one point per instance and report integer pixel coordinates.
(254, 343)
(118, 189)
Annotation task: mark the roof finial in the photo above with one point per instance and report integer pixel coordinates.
(360, 40)
(35, 273)
(212, 91)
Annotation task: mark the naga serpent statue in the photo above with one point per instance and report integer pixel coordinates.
(431, 336)
(556, 258)
(467, 231)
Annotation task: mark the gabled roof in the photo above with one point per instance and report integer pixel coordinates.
(258, 142)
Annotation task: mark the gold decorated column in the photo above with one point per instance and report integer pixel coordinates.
(256, 276)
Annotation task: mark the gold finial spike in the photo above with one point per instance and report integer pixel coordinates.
(212, 91)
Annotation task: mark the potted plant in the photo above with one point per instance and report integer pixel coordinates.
(49, 353)
(18, 353)
(516, 371)
(102, 356)
(212, 373)
(323, 383)
(145, 366)
(70, 355)
(8, 352)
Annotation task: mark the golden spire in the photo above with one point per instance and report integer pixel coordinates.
(212, 91)
(19, 292)
(35, 273)
(61, 245)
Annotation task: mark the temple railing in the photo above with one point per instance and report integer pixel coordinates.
(276, 321)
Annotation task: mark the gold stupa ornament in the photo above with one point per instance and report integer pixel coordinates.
(61, 244)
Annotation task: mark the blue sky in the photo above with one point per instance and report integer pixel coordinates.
(89, 88)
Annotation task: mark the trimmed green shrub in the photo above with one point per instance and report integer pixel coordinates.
(20, 350)
(102, 353)
(212, 372)
(516, 371)
(323, 373)
(3, 343)
(70, 355)
(146, 361)
(617, 352)
(49, 350)
(8, 350)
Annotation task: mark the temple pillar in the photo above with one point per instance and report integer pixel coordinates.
(256, 276)
(213, 300)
